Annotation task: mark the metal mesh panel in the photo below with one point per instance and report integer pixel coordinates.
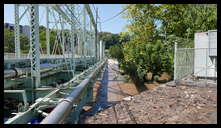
(184, 62)
(191, 63)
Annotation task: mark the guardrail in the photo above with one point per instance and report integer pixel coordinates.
(27, 56)
(62, 111)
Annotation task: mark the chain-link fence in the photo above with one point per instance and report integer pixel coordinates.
(184, 62)
(196, 65)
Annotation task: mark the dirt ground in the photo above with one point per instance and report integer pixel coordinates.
(163, 105)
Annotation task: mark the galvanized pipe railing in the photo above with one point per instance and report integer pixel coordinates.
(63, 109)
(12, 73)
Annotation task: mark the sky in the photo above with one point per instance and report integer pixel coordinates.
(105, 11)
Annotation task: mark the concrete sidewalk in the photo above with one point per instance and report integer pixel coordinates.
(108, 90)
(114, 80)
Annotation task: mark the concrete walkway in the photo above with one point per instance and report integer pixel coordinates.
(109, 92)
(114, 80)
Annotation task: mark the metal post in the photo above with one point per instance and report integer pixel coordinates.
(47, 30)
(101, 45)
(78, 42)
(94, 46)
(96, 37)
(93, 43)
(72, 42)
(84, 31)
(17, 32)
(35, 52)
(98, 49)
(214, 61)
(90, 39)
(84, 36)
(63, 37)
(206, 64)
(90, 14)
(175, 53)
(103, 50)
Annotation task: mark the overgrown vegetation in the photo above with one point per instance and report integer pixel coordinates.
(153, 29)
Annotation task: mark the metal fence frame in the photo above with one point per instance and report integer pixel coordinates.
(186, 64)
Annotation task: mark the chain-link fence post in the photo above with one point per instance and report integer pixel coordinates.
(206, 65)
(175, 71)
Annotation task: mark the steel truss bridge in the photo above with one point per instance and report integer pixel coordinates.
(52, 86)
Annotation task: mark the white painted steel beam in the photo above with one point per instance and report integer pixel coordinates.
(35, 50)
(47, 30)
(17, 32)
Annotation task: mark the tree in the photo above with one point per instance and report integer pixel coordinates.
(153, 29)
(183, 20)
(110, 39)
(123, 37)
(9, 42)
(116, 52)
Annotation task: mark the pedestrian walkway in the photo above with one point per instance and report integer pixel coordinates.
(114, 80)
(109, 91)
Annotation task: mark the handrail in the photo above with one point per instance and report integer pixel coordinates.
(26, 56)
(63, 109)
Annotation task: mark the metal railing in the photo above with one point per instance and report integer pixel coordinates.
(74, 101)
(42, 56)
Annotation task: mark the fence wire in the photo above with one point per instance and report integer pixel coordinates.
(184, 62)
(195, 64)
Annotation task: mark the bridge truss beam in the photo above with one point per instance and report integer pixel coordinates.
(35, 51)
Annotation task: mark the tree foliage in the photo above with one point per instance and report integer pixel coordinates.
(110, 39)
(116, 52)
(153, 29)
(9, 39)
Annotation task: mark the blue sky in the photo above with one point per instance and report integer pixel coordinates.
(105, 11)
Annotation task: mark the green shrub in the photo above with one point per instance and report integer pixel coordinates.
(116, 52)
(143, 57)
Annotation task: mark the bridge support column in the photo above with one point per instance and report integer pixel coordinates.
(47, 30)
(35, 51)
(17, 32)
(72, 42)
